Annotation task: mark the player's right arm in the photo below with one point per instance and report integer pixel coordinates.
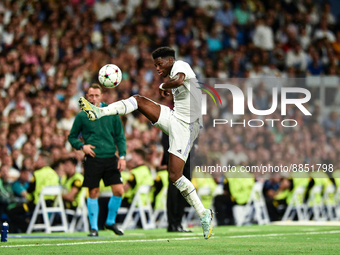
(172, 83)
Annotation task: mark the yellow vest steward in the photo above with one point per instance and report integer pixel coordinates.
(143, 177)
(44, 177)
(160, 202)
(300, 179)
(205, 181)
(240, 185)
(336, 176)
(78, 179)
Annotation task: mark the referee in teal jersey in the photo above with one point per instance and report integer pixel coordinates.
(101, 140)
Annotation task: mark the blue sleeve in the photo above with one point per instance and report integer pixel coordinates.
(17, 188)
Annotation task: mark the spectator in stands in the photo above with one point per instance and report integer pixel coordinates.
(332, 124)
(297, 58)
(72, 184)
(242, 14)
(315, 67)
(19, 102)
(324, 32)
(275, 191)
(225, 15)
(43, 176)
(263, 35)
(139, 175)
(21, 185)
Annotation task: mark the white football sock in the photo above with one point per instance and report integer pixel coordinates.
(188, 191)
(121, 107)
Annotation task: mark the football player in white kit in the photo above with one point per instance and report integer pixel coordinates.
(182, 124)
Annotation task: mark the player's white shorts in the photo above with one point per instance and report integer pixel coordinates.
(181, 134)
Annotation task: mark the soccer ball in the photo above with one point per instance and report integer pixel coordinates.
(110, 76)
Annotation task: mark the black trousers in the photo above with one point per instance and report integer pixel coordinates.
(176, 202)
(224, 210)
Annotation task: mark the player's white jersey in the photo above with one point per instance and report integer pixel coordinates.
(187, 97)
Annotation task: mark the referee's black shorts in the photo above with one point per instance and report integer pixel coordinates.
(101, 168)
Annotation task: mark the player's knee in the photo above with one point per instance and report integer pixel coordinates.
(173, 176)
(138, 98)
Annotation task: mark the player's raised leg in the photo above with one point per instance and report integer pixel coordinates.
(188, 191)
(147, 107)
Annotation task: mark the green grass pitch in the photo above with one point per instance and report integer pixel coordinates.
(270, 239)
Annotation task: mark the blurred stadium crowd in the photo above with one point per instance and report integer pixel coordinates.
(51, 51)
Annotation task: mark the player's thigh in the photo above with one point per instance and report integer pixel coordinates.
(148, 108)
(93, 172)
(111, 174)
(181, 137)
(163, 122)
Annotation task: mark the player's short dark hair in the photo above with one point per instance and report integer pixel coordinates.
(163, 52)
(95, 86)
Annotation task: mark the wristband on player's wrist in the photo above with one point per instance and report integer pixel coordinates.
(161, 87)
(81, 147)
(122, 157)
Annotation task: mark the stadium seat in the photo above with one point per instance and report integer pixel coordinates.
(315, 204)
(330, 203)
(255, 209)
(41, 208)
(79, 220)
(337, 203)
(139, 209)
(296, 205)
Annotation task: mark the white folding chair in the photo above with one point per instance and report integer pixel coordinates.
(315, 204)
(142, 211)
(337, 203)
(330, 203)
(79, 220)
(41, 208)
(296, 205)
(256, 204)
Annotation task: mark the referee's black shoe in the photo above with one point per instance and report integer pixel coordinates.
(115, 229)
(93, 232)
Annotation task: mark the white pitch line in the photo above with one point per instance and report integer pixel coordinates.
(172, 239)
(286, 234)
(100, 242)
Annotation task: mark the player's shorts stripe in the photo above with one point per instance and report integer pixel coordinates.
(190, 138)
